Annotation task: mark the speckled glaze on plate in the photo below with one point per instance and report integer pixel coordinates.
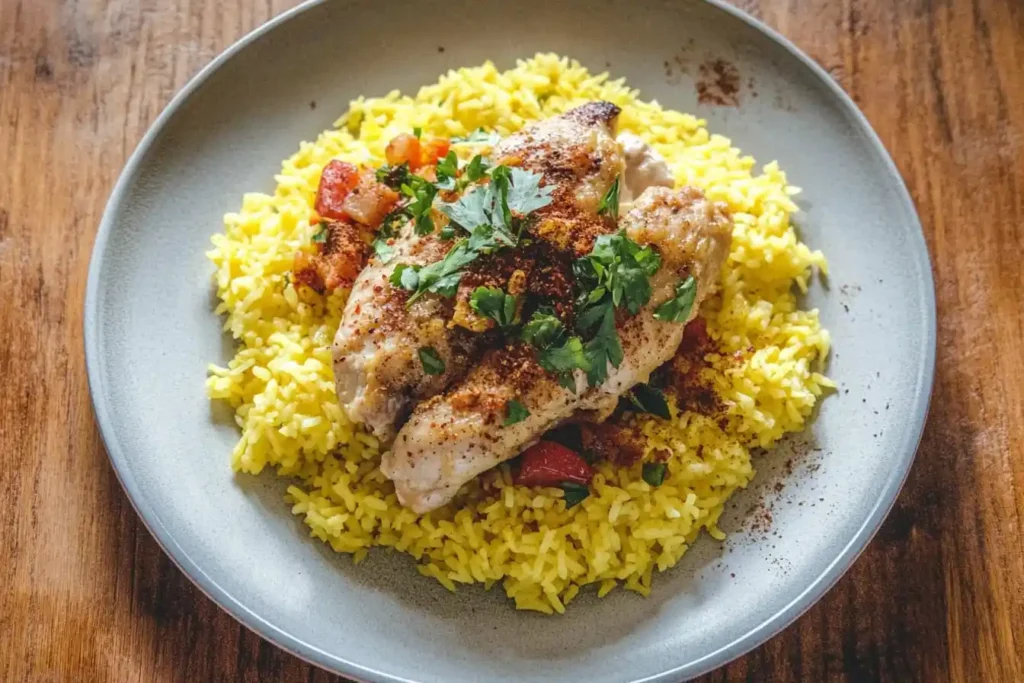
(150, 331)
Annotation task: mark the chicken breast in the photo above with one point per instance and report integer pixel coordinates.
(452, 437)
(378, 372)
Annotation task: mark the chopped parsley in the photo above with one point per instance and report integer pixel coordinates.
(433, 364)
(557, 352)
(544, 330)
(383, 250)
(501, 204)
(574, 493)
(610, 201)
(441, 277)
(603, 348)
(654, 473)
(515, 412)
(484, 213)
(320, 236)
(477, 137)
(648, 399)
(616, 274)
(620, 267)
(495, 304)
(419, 209)
(417, 131)
(677, 309)
(388, 229)
(475, 169)
(447, 169)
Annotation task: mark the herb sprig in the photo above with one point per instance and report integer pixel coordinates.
(492, 214)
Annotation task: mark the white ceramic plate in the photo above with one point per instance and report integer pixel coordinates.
(150, 331)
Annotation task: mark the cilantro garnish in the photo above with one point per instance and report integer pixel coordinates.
(417, 131)
(515, 412)
(648, 399)
(654, 473)
(495, 304)
(610, 201)
(433, 364)
(574, 493)
(677, 309)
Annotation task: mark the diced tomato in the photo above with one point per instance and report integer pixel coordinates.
(547, 463)
(369, 201)
(434, 149)
(404, 149)
(336, 182)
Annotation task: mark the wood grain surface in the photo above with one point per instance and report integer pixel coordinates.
(86, 594)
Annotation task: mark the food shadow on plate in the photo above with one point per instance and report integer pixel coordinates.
(392, 576)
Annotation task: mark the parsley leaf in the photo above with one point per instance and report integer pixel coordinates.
(510, 189)
(515, 412)
(603, 349)
(526, 195)
(495, 304)
(574, 493)
(383, 250)
(405, 276)
(677, 309)
(421, 206)
(654, 473)
(447, 169)
(417, 131)
(647, 399)
(543, 330)
(610, 201)
(479, 137)
(475, 169)
(433, 364)
(619, 266)
(441, 277)
(473, 209)
(565, 358)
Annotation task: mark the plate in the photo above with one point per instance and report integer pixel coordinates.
(150, 331)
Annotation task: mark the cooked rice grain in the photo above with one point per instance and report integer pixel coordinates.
(282, 389)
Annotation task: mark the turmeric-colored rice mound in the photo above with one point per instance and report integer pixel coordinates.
(282, 389)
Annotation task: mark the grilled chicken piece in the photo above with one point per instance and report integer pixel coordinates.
(452, 437)
(377, 369)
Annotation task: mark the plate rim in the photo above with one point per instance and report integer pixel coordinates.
(263, 627)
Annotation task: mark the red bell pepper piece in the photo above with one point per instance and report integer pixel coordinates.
(547, 463)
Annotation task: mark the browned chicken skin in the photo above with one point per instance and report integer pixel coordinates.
(378, 373)
(454, 436)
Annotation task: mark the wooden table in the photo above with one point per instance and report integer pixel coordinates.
(86, 594)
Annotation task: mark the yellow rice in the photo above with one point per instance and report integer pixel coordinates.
(281, 387)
